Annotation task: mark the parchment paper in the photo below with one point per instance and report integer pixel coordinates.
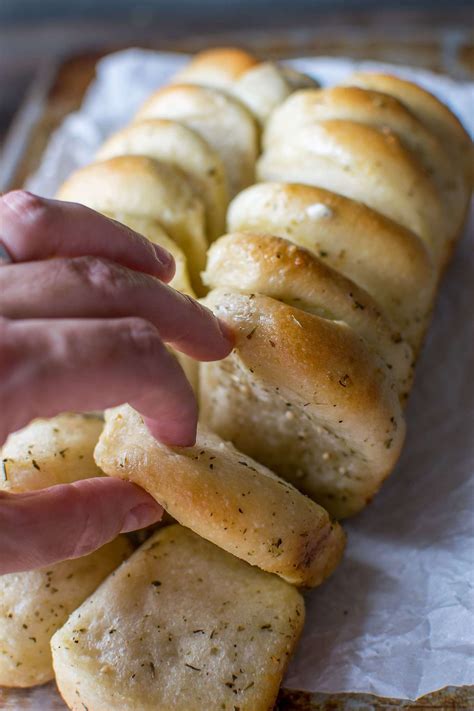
(396, 618)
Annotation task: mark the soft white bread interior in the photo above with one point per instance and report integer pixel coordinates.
(305, 396)
(36, 603)
(50, 451)
(222, 121)
(386, 260)
(181, 625)
(225, 497)
(178, 145)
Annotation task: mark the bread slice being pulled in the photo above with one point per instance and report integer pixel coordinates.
(225, 497)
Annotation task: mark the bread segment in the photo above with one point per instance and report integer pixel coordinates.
(388, 261)
(50, 451)
(306, 397)
(365, 164)
(436, 116)
(218, 67)
(180, 146)
(148, 189)
(222, 121)
(265, 86)
(182, 625)
(269, 265)
(225, 497)
(36, 603)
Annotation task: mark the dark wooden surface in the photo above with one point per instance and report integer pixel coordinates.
(46, 698)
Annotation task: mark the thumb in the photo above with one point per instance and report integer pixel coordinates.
(69, 520)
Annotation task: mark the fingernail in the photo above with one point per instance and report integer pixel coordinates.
(141, 516)
(164, 257)
(172, 434)
(4, 256)
(226, 331)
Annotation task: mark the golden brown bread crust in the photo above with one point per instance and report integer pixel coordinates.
(225, 497)
(383, 258)
(306, 397)
(365, 164)
(433, 113)
(218, 67)
(145, 188)
(264, 86)
(180, 146)
(181, 626)
(269, 265)
(386, 113)
(152, 230)
(223, 121)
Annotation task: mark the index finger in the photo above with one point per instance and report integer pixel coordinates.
(33, 228)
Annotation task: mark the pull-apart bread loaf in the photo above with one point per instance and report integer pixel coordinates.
(226, 497)
(312, 388)
(181, 626)
(327, 278)
(34, 604)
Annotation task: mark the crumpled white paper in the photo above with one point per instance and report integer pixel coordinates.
(396, 619)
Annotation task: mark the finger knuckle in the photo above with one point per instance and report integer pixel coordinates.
(98, 274)
(144, 337)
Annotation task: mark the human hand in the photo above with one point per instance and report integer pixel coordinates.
(85, 330)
